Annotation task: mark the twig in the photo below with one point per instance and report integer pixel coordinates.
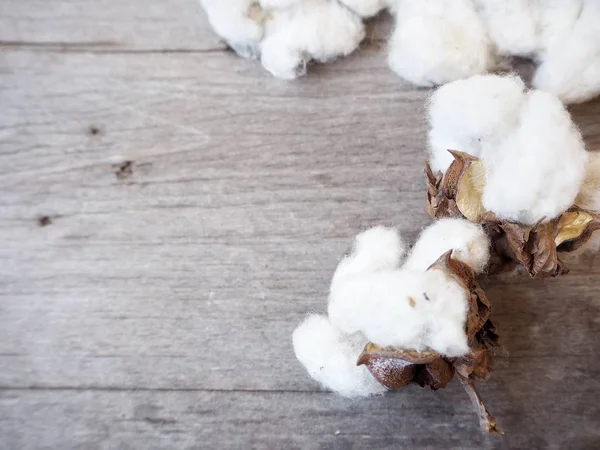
(486, 420)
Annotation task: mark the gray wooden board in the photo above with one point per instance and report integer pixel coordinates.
(198, 208)
(106, 25)
(121, 26)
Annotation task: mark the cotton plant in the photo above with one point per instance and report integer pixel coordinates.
(397, 317)
(511, 159)
(434, 42)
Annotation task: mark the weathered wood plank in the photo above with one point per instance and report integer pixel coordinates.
(210, 238)
(106, 25)
(189, 268)
(532, 410)
(225, 233)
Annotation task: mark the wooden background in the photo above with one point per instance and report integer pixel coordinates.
(170, 212)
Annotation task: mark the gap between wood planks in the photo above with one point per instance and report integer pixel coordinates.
(141, 389)
(99, 47)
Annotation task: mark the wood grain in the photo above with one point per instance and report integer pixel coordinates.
(167, 218)
(412, 418)
(91, 26)
(106, 25)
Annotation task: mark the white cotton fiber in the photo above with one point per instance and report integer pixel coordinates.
(512, 25)
(468, 114)
(378, 248)
(366, 8)
(278, 4)
(314, 29)
(533, 154)
(537, 171)
(570, 65)
(556, 19)
(468, 241)
(437, 41)
(402, 308)
(330, 358)
(238, 22)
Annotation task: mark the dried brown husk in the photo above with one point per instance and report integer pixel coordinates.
(575, 228)
(457, 193)
(395, 368)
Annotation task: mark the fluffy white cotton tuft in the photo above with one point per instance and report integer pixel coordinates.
(533, 154)
(468, 242)
(467, 114)
(330, 358)
(437, 41)
(313, 29)
(570, 65)
(555, 20)
(378, 248)
(538, 170)
(402, 308)
(366, 8)
(239, 22)
(512, 25)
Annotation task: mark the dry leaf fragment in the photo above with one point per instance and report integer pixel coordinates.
(394, 368)
(435, 375)
(486, 420)
(458, 190)
(470, 191)
(456, 171)
(542, 251)
(478, 363)
(439, 205)
(575, 228)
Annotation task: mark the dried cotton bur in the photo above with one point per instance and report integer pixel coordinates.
(520, 169)
(396, 320)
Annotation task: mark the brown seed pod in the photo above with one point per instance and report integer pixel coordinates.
(395, 368)
(457, 193)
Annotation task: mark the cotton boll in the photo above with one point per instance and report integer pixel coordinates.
(330, 358)
(239, 22)
(314, 29)
(570, 67)
(437, 41)
(512, 25)
(533, 155)
(468, 242)
(402, 308)
(378, 248)
(366, 8)
(538, 170)
(468, 114)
